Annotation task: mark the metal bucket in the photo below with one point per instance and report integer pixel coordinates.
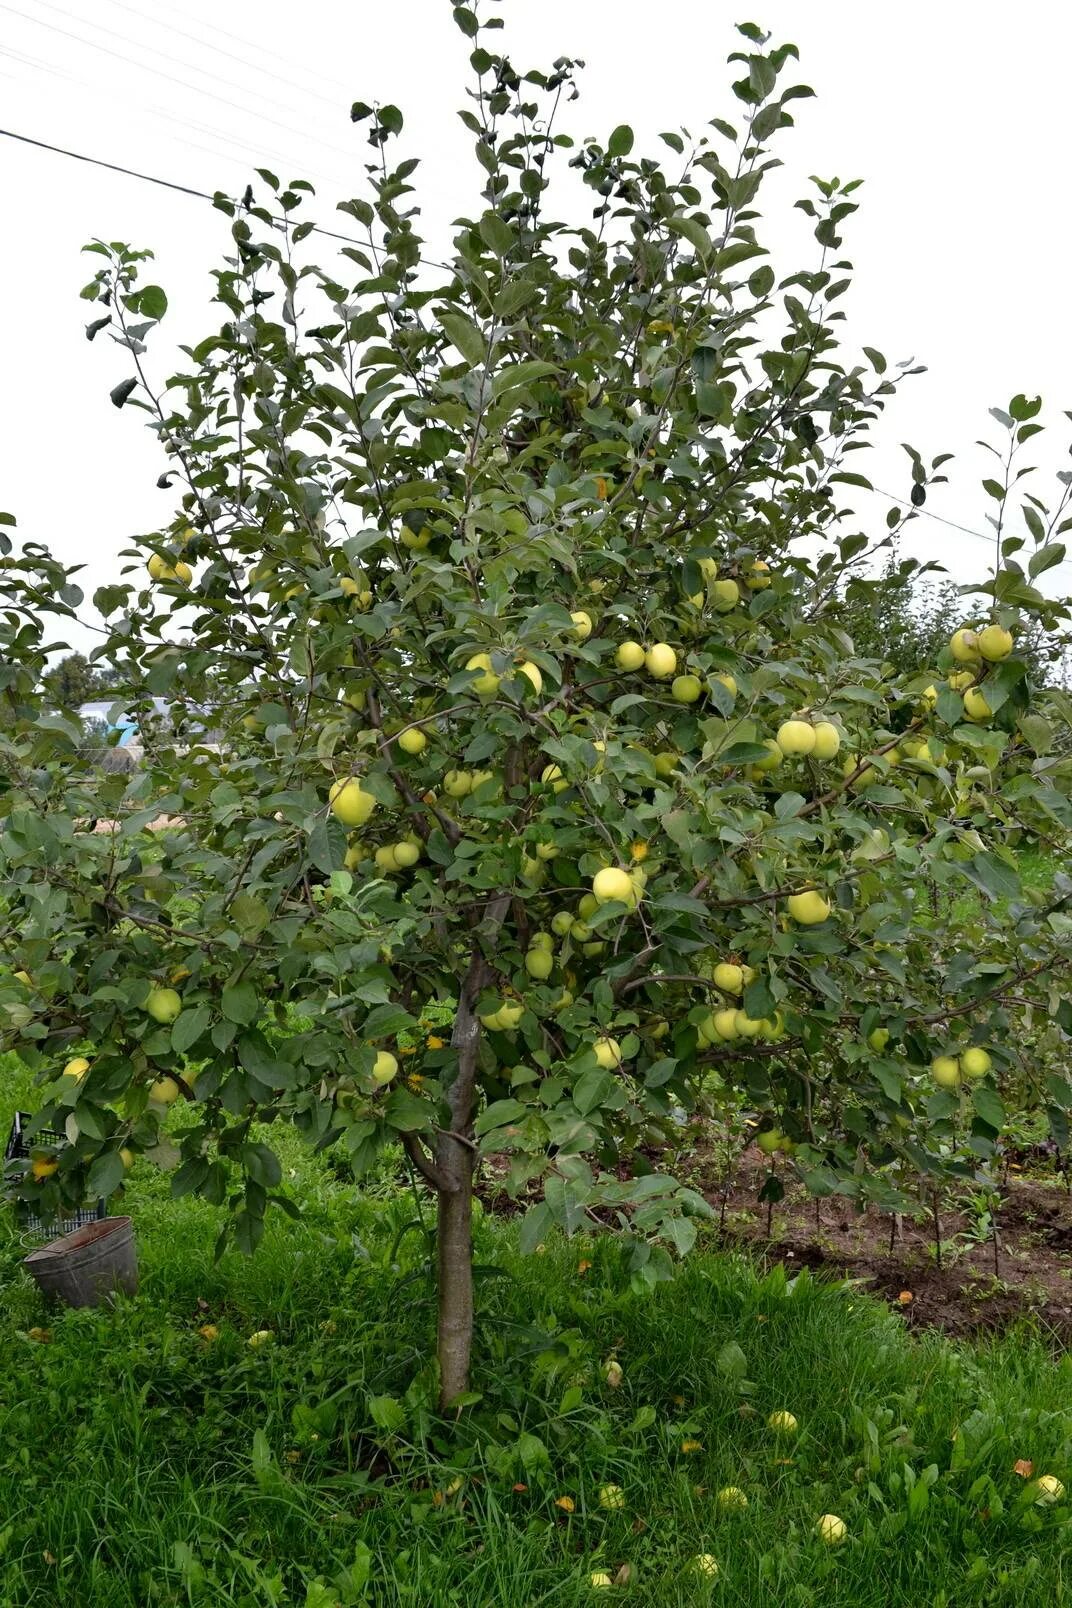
(85, 1268)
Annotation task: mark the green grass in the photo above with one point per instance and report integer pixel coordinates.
(141, 1465)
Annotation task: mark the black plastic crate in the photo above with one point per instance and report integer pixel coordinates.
(18, 1148)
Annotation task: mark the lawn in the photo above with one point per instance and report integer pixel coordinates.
(143, 1463)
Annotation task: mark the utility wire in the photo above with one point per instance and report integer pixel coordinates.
(251, 154)
(964, 529)
(243, 59)
(170, 77)
(185, 189)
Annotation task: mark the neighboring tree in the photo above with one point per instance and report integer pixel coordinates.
(530, 565)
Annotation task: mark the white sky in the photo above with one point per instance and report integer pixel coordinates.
(957, 117)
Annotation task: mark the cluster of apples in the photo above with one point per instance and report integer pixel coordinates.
(977, 650)
(949, 1071)
(176, 570)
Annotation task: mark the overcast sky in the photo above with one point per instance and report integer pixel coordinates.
(957, 117)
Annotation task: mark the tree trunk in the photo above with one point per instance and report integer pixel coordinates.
(454, 1268)
(455, 1157)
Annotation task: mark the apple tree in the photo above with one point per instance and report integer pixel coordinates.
(492, 656)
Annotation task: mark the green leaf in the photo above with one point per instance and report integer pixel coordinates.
(621, 141)
(535, 1227)
(466, 336)
(106, 1174)
(988, 1106)
(693, 231)
(994, 877)
(152, 302)
(497, 235)
(498, 1114)
(122, 392)
(240, 1004)
(188, 1028)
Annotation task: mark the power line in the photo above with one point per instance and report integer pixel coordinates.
(231, 55)
(964, 529)
(184, 189)
(252, 155)
(157, 72)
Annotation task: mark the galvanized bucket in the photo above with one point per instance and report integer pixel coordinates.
(87, 1266)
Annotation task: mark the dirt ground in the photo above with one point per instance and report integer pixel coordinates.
(978, 1288)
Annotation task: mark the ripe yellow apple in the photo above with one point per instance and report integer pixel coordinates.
(532, 675)
(160, 570)
(384, 1068)
(772, 1028)
(546, 851)
(612, 1497)
(127, 1157)
(961, 679)
(457, 783)
(827, 739)
(975, 705)
(486, 684)
(728, 977)
(608, 1053)
(686, 689)
(1048, 1490)
(349, 802)
(964, 646)
(774, 757)
(731, 1499)
(708, 569)
(747, 1026)
(600, 1580)
(412, 740)
(542, 940)
(706, 1564)
(782, 1423)
(42, 1167)
(795, 737)
(77, 1068)
(725, 1024)
(661, 661)
(945, 1070)
(165, 1091)
(612, 883)
(630, 656)
(808, 908)
(416, 540)
(539, 964)
(727, 681)
(975, 1062)
(613, 1372)
(582, 623)
(831, 1530)
(995, 643)
(725, 595)
(24, 978)
(758, 576)
(406, 854)
(163, 1005)
(353, 856)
